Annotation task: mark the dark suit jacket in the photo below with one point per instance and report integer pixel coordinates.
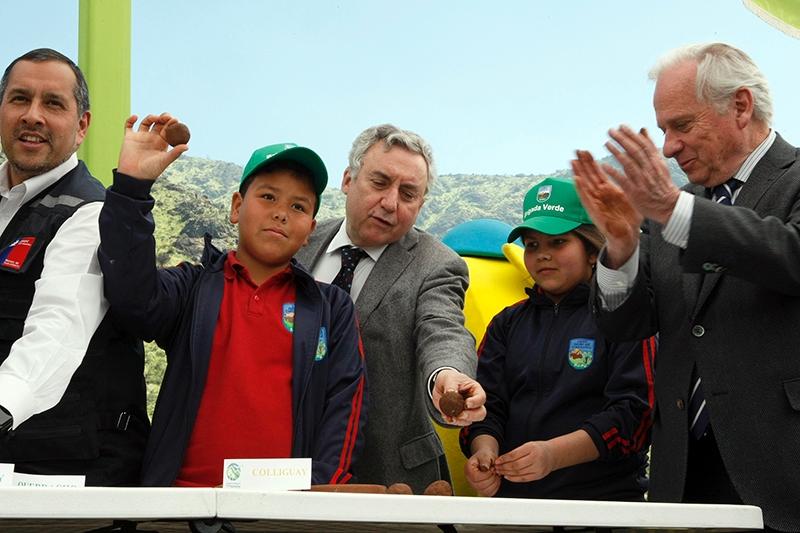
(411, 319)
(731, 303)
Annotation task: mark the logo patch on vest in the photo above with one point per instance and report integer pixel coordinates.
(288, 317)
(14, 255)
(322, 345)
(581, 353)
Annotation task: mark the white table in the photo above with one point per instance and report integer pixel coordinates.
(386, 508)
(21, 509)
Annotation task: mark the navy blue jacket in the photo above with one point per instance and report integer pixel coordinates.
(548, 371)
(178, 308)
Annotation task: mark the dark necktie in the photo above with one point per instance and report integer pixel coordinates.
(350, 258)
(698, 414)
(723, 194)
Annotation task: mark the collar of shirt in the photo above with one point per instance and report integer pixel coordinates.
(342, 239)
(33, 186)
(755, 156)
(234, 267)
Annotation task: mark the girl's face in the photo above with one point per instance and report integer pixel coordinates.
(557, 262)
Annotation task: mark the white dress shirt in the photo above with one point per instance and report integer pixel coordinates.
(331, 261)
(615, 285)
(67, 307)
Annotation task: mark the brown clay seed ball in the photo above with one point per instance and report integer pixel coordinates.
(485, 468)
(399, 488)
(177, 133)
(439, 488)
(363, 488)
(452, 403)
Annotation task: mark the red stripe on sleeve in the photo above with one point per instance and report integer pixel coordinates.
(341, 475)
(648, 359)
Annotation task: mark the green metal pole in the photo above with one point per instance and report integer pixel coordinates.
(104, 55)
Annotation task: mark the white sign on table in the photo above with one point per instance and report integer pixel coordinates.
(6, 475)
(35, 480)
(267, 474)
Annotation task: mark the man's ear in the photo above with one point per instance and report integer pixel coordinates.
(744, 106)
(346, 180)
(236, 203)
(83, 127)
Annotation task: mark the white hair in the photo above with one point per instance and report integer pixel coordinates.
(721, 71)
(391, 136)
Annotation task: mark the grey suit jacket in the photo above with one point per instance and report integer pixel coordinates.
(411, 318)
(731, 303)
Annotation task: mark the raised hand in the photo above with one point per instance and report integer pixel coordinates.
(608, 207)
(144, 153)
(646, 179)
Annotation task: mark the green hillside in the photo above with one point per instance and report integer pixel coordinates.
(193, 196)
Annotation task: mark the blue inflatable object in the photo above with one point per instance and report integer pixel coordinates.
(483, 237)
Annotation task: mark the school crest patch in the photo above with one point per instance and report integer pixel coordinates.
(288, 317)
(322, 345)
(543, 194)
(581, 353)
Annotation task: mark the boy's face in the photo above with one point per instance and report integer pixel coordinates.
(275, 218)
(557, 263)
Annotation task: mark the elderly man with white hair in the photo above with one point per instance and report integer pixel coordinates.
(715, 272)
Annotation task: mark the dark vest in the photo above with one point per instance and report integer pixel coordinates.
(100, 425)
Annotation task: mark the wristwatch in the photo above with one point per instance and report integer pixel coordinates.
(6, 421)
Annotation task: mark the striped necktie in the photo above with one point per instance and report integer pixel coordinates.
(726, 193)
(698, 414)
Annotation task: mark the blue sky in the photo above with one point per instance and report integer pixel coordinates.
(497, 87)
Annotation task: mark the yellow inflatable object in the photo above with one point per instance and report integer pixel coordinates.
(497, 279)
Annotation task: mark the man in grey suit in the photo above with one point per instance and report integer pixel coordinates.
(716, 271)
(409, 295)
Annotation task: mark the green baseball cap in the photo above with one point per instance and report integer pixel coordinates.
(289, 152)
(551, 206)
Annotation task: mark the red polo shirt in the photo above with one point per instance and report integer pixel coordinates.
(246, 408)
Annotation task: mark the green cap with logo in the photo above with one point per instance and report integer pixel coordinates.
(552, 206)
(289, 152)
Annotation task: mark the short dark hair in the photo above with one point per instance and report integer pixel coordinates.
(40, 55)
(294, 168)
(593, 240)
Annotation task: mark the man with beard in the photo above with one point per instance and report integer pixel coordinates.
(72, 392)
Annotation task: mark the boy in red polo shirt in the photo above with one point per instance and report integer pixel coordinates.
(262, 361)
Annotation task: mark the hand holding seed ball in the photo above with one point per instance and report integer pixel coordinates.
(451, 403)
(465, 396)
(479, 468)
(144, 154)
(176, 133)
